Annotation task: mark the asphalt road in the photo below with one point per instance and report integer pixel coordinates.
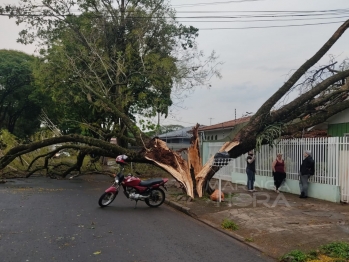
(59, 220)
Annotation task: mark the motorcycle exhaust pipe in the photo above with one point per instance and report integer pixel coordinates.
(143, 197)
(138, 196)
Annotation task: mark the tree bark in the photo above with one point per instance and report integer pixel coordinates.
(266, 107)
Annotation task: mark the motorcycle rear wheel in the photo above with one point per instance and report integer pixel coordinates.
(106, 199)
(156, 197)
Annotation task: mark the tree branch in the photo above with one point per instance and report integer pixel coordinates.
(110, 149)
(316, 119)
(265, 108)
(283, 112)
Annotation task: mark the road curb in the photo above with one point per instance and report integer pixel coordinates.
(186, 210)
(181, 208)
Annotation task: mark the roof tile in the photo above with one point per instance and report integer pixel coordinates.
(230, 123)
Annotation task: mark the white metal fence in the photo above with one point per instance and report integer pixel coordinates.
(331, 157)
(343, 168)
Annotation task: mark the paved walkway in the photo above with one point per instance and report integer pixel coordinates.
(271, 222)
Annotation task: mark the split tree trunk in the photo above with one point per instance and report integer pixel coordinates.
(194, 177)
(190, 173)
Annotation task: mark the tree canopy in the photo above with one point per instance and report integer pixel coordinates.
(118, 61)
(20, 100)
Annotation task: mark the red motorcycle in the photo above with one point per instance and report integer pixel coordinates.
(148, 191)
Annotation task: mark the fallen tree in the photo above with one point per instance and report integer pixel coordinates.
(322, 97)
(323, 100)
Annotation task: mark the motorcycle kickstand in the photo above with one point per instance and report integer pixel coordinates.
(136, 204)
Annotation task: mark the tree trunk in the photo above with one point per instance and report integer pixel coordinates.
(246, 138)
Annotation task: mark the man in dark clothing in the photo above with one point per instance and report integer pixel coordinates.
(250, 171)
(307, 169)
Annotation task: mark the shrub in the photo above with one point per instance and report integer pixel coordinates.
(336, 250)
(295, 256)
(229, 224)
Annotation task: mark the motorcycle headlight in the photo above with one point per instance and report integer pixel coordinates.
(117, 180)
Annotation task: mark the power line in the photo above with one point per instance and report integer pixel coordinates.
(257, 16)
(304, 16)
(184, 17)
(266, 11)
(264, 15)
(241, 14)
(245, 11)
(260, 27)
(239, 11)
(264, 20)
(216, 3)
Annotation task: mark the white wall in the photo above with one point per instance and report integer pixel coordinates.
(320, 191)
(219, 132)
(342, 117)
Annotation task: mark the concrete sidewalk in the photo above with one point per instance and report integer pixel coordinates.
(273, 223)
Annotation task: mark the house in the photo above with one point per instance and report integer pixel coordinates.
(178, 139)
(181, 136)
(222, 131)
(335, 126)
(327, 142)
(338, 125)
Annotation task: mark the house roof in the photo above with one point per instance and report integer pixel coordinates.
(178, 133)
(230, 123)
(308, 134)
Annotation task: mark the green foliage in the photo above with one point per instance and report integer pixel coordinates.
(68, 108)
(130, 69)
(8, 140)
(111, 65)
(205, 197)
(20, 164)
(229, 224)
(336, 250)
(269, 135)
(312, 255)
(295, 256)
(21, 100)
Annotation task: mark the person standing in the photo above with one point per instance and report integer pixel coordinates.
(307, 169)
(251, 171)
(279, 171)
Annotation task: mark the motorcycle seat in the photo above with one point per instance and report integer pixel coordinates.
(150, 182)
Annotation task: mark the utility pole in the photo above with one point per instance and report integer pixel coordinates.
(210, 119)
(158, 126)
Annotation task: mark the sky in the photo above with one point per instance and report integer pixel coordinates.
(256, 61)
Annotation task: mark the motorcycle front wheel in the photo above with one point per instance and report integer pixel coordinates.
(106, 199)
(156, 197)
